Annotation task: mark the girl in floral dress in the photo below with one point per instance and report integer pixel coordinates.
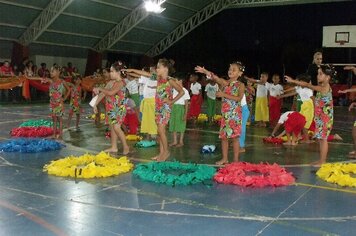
(57, 89)
(231, 110)
(323, 107)
(115, 106)
(75, 100)
(163, 101)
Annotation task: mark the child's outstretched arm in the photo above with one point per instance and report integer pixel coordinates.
(137, 72)
(276, 128)
(317, 88)
(347, 90)
(220, 81)
(255, 81)
(352, 68)
(287, 95)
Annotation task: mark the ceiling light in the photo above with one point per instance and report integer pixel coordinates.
(154, 6)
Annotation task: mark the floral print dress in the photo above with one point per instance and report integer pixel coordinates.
(231, 111)
(75, 99)
(162, 109)
(115, 107)
(249, 97)
(56, 90)
(323, 114)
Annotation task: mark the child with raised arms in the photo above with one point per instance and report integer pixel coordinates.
(323, 107)
(232, 92)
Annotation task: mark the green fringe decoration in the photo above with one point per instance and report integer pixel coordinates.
(158, 172)
(37, 123)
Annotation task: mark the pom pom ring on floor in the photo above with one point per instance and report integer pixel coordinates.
(30, 145)
(185, 174)
(89, 166)
(338, 173)
(254, 175)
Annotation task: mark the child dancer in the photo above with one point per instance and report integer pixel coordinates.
(163, 101)
(196, 98)
(132, 88)
(106, 77)
(307, 106)
(261, 107)
(275, 104)
(57, 89)
(293, 124)
(323, 107)
(75, 101)
(178, 120)
(115, 106)
(211, 88)
(230, 125)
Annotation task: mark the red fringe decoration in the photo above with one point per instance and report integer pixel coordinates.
(264, 175)
(273, 140)
(32, 132)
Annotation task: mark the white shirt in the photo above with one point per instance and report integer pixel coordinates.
(243, 101)
(284, 117)
(149, 88)
(261, 90)
(195, 88)
(181, 101)
(304, 93)
(132, 86)
(274, 89)
(211, 90)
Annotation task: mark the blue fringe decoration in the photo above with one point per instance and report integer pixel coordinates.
(30, 145)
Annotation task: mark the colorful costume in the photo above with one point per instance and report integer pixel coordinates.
(147, 108)
(162, 109)
(323, 114)
(56, 90)
(177, 122)
(196, 100)
(231, 111)
(75, 99)
(261, 108)
(115, 107)
(249, 97)
(275, 104)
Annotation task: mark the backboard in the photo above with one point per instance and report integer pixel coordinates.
(341, 36)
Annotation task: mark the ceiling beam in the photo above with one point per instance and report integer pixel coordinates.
(187, 26)
(263, 3)
(44, 20)
(122, 28)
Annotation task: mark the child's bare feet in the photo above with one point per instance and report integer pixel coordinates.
(317, 163)
(111, 150)
(222, 162)
(242, 150)
(172, 144)
(287, 143)
(164, 156)
(155, 158)
(180, 145)
(337, 137)
(126, 151)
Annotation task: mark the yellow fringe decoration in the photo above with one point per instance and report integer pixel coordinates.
(338, 173)
(89, 166)
(202, 118)
(217, 118)
(133, 137)
(92, 116)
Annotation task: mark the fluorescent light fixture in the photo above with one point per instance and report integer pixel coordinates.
(154, 6)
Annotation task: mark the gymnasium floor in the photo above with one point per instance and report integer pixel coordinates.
(34, 203)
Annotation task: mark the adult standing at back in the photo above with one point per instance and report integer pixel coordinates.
(313, 68)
